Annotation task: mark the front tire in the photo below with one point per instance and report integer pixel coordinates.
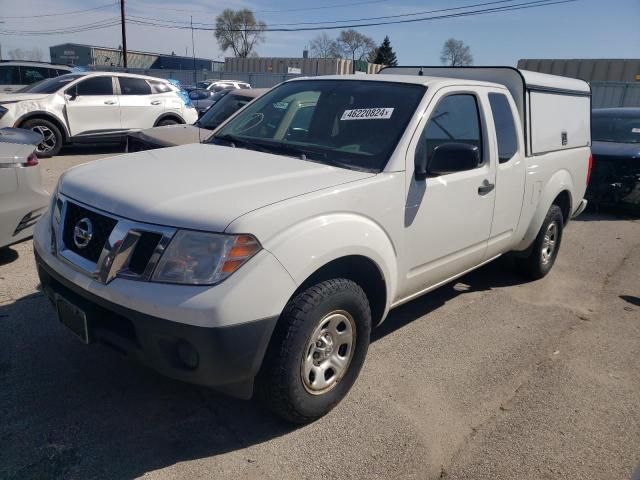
(545, 247)
(52, 137)
(317, 351)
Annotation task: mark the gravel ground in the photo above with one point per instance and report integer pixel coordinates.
(490, 377)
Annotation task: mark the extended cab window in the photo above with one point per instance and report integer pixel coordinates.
(505, 126)
(134, 86)
(352, 124)
(455, 120)
(94, 86)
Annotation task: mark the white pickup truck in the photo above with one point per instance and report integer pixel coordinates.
(262, 260)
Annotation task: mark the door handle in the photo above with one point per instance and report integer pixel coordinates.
(156, 102)
(486, 187)
(109, 102)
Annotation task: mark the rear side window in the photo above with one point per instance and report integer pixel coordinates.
(29, 75)
(159, 87)
(95, 86)
(456, 119)
(9, 75)
(134, 86)
(505, 126)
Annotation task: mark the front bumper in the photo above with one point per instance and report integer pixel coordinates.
(226, 357)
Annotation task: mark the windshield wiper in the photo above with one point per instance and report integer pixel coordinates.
(241, 143)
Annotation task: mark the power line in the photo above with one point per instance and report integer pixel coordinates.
(116, 20)
(506, 8)
(113, 4)
(302, 9)
(328, 22)
(74, 29)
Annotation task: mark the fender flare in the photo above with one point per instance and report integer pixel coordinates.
(44, 114)
(559, 182)
(169, 115)
(330, 237)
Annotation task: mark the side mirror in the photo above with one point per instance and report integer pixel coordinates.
(71, 94)
(421, 161)
(453, 157)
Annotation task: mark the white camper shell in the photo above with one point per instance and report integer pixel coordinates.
(554, 111)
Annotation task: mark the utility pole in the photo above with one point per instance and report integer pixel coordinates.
(193, 52)
(124, 35)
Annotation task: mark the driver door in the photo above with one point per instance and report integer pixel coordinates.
(92, 107)
(448, 216)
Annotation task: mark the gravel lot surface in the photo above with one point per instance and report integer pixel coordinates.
(487, 378)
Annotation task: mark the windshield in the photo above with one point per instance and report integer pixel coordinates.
(349, 123)
(615, 129)
(222, 109)
(51, 85)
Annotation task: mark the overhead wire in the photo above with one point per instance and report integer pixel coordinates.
(506, 8)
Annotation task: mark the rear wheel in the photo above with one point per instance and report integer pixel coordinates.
(51, 135)
(545, 247)
(317, 351)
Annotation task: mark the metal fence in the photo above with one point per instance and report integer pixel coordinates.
(187, 77)
(615, 94)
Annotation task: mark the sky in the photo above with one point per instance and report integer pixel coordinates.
(582, 29)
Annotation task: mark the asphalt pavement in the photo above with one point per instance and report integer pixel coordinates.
(490, 377)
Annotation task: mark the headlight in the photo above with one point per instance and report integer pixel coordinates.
(198, 258)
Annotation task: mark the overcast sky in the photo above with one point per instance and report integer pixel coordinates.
(584, 29)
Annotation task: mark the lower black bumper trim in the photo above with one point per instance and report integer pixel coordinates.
(227, 358)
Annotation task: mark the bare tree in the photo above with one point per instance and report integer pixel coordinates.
(239, 31)
(323, 46)
(33, 54)
(456, 54)
(355, 45)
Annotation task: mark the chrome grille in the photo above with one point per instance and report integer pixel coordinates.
(118, 247)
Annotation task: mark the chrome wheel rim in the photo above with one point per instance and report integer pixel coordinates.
(49, 139)
(328, 352)
(549, 243)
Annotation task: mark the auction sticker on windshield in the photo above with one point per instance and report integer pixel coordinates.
(367, 114)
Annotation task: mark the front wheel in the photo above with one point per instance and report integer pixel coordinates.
(51, 136)
(545, 247)
(317, 351)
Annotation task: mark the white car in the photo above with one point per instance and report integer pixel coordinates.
(17, 74)
(22, 198)
(217, 85)
(263, 259)
(93, 107)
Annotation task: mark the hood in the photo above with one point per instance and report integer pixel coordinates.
(198, 186)
(614, 149)
(19, 97)
(172, 135)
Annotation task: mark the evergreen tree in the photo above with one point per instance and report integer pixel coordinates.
(385, 54)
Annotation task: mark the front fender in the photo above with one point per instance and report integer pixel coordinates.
(309, 245)
(560, 181)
